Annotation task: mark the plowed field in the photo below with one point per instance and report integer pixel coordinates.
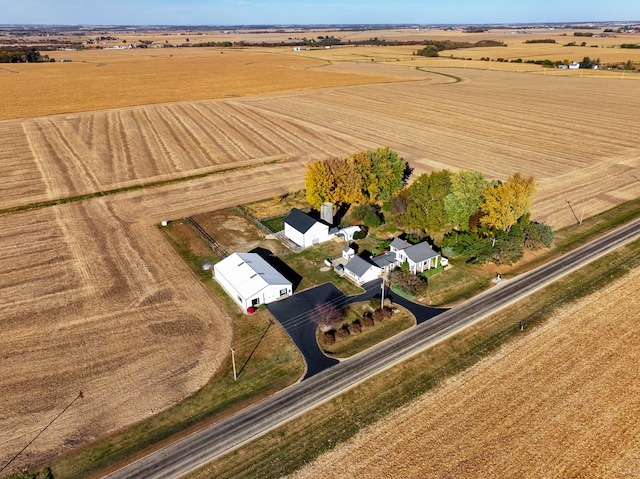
(93, 299)
(561, 402)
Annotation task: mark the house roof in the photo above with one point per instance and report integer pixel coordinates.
(384, 260)
(300, 221)
(249, 273)
(397, 243)
(349, 230)
(420, 252)
(348, 249)
(358, 266)
(415, 252)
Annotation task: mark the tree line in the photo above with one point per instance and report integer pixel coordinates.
(482, 220)
(485, 220)
(21, 55)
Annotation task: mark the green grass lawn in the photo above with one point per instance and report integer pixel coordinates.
(275, 224)
(310, 262)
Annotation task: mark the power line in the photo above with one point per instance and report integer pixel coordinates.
(79, 396)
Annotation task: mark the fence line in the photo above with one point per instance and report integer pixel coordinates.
(200, 231)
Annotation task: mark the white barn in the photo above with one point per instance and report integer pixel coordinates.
(305, 231)
(250, 280)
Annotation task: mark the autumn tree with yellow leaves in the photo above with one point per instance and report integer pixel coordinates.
(369, 176)
(506, 202)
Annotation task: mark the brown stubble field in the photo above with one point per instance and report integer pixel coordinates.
(94, 299)
(562, 401)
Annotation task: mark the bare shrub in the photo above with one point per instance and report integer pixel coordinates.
(367, 320)
(355, 327)
(326, 316)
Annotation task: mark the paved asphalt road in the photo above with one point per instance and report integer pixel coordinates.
(293, 315)
(205, 445)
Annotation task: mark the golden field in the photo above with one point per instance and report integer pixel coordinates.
(93, 297)
(560, 402)
(99, 79)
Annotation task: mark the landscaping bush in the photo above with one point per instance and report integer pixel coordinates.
(362, 234)
(342, 332)
(355, 327)
(329, 338)
(367, 320)
(377, 316)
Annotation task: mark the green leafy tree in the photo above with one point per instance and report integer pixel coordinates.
(388, 174)
(537, 235)
(426, 208)
(464, 198)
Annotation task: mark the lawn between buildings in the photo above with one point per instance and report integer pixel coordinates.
(279, 364)
(296, 443)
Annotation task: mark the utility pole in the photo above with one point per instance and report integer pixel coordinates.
(233, 361)
(382, 299)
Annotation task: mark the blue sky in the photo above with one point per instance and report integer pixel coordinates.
(251, 12)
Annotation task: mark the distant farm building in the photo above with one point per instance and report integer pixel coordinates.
(250, 281)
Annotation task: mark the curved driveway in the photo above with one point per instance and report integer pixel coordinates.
(294, 315)
(193, 451)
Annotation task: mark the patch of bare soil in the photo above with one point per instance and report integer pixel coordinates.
(234, 231)
(563, 401)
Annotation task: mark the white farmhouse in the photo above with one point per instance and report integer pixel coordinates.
(250, 281)
(419, 256)
(305, 231)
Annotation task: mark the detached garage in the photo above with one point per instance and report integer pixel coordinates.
(250, 280)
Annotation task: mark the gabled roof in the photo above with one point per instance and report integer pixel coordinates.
(420, 252)
(359, 266)
(300, 221)
(415, 252)
(249, 273)
(397, 243)
(384, 260)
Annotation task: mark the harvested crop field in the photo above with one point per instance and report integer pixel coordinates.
(95, 305)
(101, 79)
(95, 300)
(560, 402)
(577, 136)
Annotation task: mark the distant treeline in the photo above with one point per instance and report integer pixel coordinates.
(319, 42)
(21, 55)
(434, 46)
(541, 40)
(630, 45)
